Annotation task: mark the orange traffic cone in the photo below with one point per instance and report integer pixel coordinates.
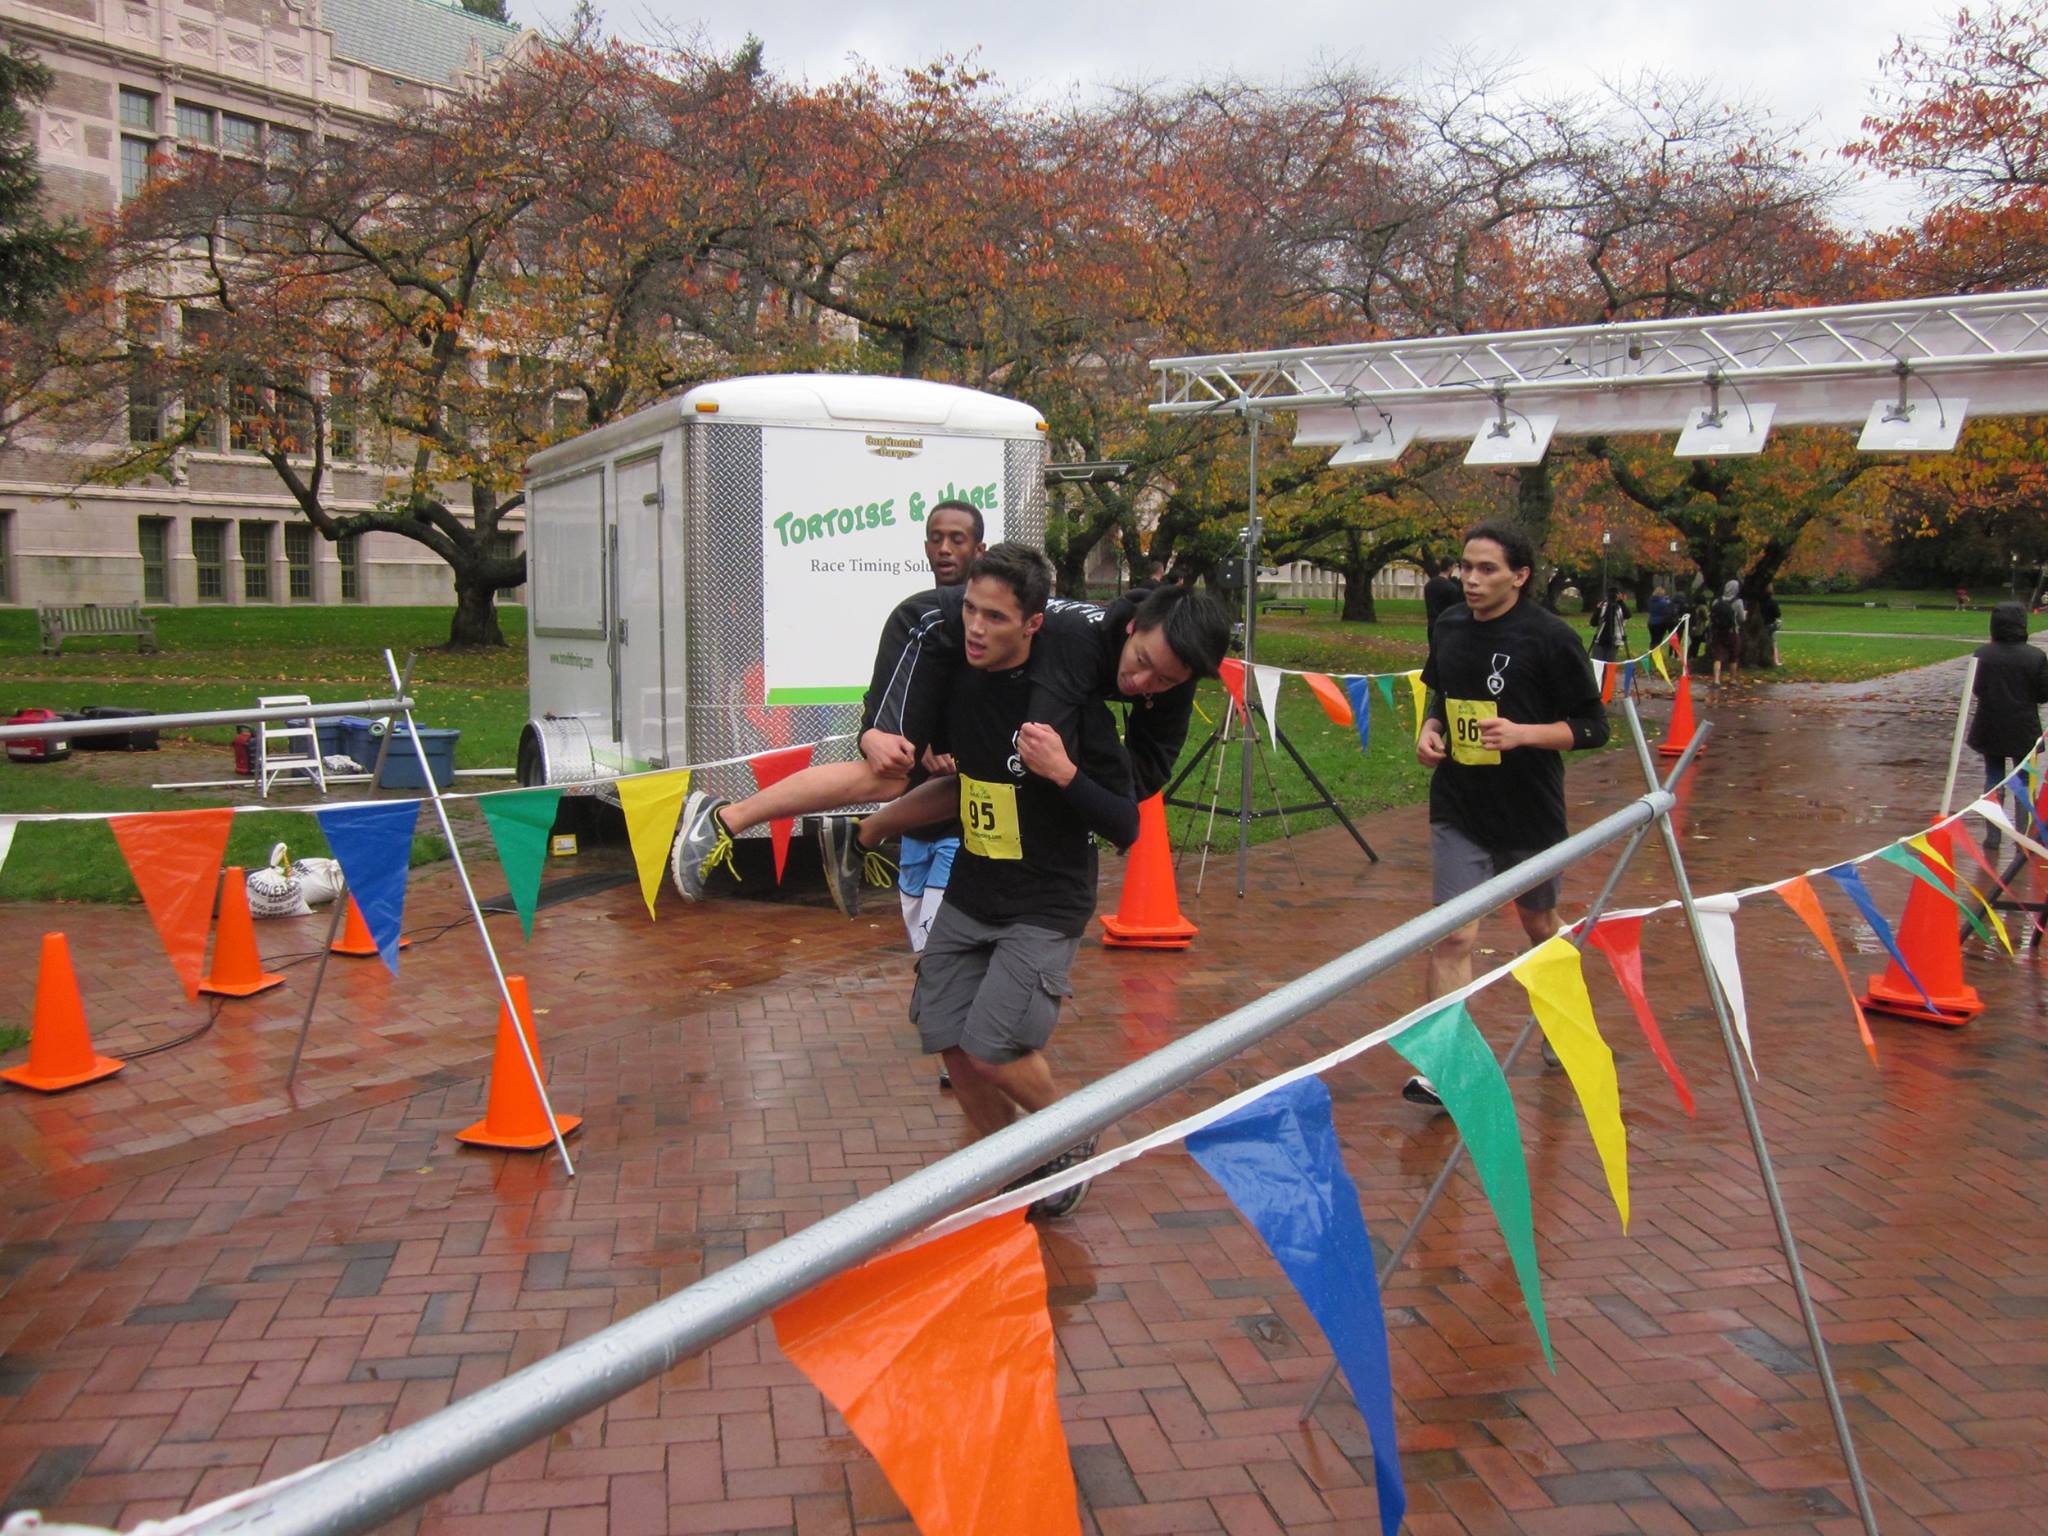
(60, 1053)
(514, 1117)
(237, 967)
(1148, 916)
(1678, 734)
(355, 937)
(1928, 940)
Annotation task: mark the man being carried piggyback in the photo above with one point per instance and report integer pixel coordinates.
(1511, 691)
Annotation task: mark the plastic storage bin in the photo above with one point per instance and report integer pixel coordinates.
(333, 738)
(402, 766)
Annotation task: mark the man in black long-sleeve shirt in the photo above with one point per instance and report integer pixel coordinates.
(996, 963)
(1511, 692)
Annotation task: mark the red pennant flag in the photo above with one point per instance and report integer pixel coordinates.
(1336, 704)
(1798, 895)
(769, 768)
(175, 857)
(940, 1358)
(1232, 673)
(1963, 839)
(1607, 671)
(1620, 939)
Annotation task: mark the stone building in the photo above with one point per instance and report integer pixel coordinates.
(135, 79)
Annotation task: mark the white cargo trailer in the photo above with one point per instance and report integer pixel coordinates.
(707, 578)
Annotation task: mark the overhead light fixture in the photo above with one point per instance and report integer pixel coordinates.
(1511, 437)
(1913, 426)
(1716, 433)
(1376, 447)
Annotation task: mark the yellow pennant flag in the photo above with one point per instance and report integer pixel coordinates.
(1421, 699)
(1657, 661)
(1556, 985)
(652, 803)
(1919, 844)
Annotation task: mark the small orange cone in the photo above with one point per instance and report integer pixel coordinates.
(355, 937)
(237, 967)
(1928, 940)
(513, 1116)
(1148, 916)
(1678, 734)
(60, 1053)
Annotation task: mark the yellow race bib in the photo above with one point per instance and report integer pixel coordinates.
(1465, 717)
(988, 819)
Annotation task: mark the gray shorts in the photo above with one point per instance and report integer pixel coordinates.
(1460, 864)
(992, 990)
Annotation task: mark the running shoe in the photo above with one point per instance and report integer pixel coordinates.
(701, 845)
(1062, 1203)
(840, 852)
(1420, 1090)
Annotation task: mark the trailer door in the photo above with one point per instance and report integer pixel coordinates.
(639, 618)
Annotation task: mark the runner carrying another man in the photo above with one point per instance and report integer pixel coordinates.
(1032, 799)
(1511, 691)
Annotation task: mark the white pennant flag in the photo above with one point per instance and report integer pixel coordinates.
(1717, 922)
(7, 826)
(1993, 812)
(1268, 680)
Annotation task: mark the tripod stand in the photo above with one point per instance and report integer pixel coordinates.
(1219, 739)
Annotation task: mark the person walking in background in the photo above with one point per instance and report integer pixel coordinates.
(1441, 591)
(1773, 616)
(1662, 614)
(1724, 631)
(2010, 688)
(1610, 627)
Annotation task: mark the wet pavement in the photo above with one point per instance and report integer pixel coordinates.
(205, 1282)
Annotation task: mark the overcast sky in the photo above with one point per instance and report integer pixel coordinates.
(1808, 61)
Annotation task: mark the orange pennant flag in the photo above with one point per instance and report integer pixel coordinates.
(175, 857)
(940, 1358)
(1607, 670)
(770, 768)
(1333, 699)
(1798, 895)
(1231, 670)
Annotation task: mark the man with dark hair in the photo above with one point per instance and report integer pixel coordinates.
(1511, 691)
(952, 539)
(1031, 799)
(1147, 651)
(1441, 590)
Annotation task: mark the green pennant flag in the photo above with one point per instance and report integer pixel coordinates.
(1385, 682)
(520, 821)
(1447, 1048)
(1913, 865)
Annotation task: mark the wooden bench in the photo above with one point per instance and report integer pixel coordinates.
(66, 621)
(1283, 606)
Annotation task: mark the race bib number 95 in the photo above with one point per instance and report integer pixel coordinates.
(1465, 717)
(988, 819)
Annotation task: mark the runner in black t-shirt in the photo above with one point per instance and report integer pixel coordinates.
(1032, 800)
(1510, 692)
(1441, 591)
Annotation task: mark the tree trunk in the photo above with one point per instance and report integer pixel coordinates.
(476, 611)
(1359, 604)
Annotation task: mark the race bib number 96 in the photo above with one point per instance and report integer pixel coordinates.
(1465, 717)
(988, 819)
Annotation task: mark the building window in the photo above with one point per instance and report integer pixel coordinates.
(138, 110)
(6, 557)
(209, 559)
(145, 406)
(341, 416)
(153, 534)
(287, 145)
(245, 416)
(135, 167)
(255, 543)
(197, 124)
(351, 577)
(240, 135)
(298, 559)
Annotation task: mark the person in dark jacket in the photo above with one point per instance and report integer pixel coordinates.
(2011, 687)
(1441, 591)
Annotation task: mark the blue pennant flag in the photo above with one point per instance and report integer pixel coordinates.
(1359, 690)
(374, 846)
(1628, 678)
(2018, 780)
(1277, 1160)
(1846, 876)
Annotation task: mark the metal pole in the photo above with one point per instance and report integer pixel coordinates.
(121, 724)
(1577, 939)
(1739, 1074)
(1251, 627)
(368, 1486)
(490, 950)
(341, 902)
(1955, 746)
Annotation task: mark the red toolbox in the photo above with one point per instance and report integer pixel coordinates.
(37, 749)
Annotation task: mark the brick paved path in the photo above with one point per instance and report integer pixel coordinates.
(203, 1284)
